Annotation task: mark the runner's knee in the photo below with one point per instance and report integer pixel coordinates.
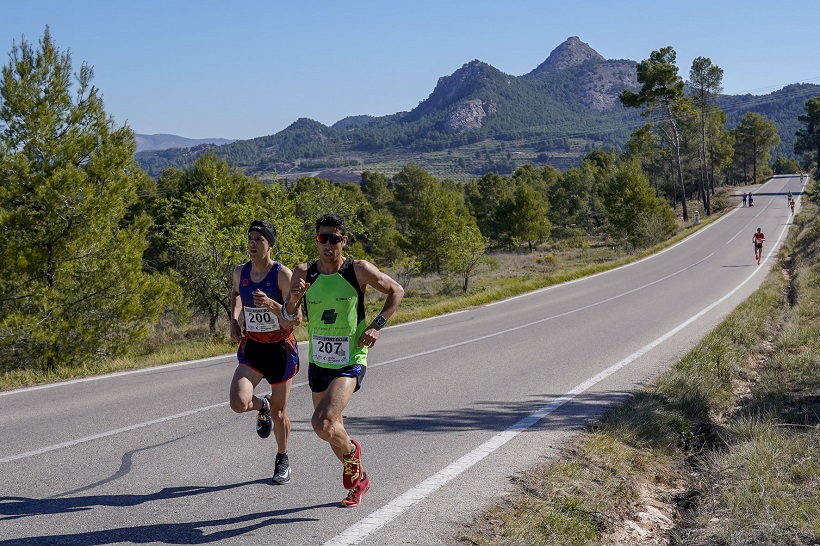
(324, 426)
(240, 403)
(278, 414)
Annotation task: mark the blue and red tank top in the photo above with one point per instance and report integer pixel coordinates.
(260, 323)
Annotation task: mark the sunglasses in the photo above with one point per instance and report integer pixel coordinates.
(332, 237)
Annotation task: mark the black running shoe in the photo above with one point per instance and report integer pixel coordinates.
(263, 422)
(281, 471)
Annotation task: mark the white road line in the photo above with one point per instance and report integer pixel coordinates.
(113, 374)
(368, 525)
(107, 433)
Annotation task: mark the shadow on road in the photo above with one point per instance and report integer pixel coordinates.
(489, 415)
(18, 507)
(194, 532)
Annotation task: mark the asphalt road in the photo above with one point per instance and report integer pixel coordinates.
(450, 409)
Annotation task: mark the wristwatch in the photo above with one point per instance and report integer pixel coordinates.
(379, 322)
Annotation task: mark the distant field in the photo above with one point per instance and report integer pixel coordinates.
(459, 164)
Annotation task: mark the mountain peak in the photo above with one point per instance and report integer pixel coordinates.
(570, 53)
(461, 84)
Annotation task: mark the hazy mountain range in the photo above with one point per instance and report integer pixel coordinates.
(147, 143)
(479, 119)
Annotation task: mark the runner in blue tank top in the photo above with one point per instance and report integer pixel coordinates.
(267, 348)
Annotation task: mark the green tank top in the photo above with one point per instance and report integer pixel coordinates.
(334, 306)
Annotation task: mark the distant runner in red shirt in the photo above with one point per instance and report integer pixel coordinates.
(758, 239)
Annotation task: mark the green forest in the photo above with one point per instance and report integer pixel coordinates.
(96, 251)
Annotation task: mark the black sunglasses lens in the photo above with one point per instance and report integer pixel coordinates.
(332, 237)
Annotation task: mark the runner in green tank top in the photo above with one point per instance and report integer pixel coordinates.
(333, 288)
(338, 303)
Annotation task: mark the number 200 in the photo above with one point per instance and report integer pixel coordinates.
(259, 317)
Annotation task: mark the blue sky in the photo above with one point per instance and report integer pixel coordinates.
(207, 69)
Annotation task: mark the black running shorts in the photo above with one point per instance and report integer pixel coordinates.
(319, 378)
(277, 361)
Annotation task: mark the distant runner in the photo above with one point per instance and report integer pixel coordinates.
(758, 239)
(791, 204)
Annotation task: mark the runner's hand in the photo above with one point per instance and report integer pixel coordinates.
(236, 331)
(260, 299)
(368, 337)
(297, 290)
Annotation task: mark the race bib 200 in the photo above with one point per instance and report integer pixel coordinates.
(260, 319)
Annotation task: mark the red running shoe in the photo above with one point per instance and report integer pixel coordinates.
(352, 467)
(354, 496)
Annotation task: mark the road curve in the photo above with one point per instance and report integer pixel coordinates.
(450, 409)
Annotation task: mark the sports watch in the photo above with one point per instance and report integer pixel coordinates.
(379, 322)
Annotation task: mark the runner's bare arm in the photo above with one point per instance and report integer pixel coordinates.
(298, 286)
(285, 282)
(368, 274)
(236, 305)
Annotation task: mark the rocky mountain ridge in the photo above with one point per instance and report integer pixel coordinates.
(566, 106)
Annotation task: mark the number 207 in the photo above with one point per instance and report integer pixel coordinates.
(330, 347)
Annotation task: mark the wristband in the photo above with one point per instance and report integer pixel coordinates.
(379, 322)
(288, 316)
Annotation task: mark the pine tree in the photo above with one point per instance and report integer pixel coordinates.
(204, 228)
(662, 94)
(71, 280)
(756, 136)
(633, 213)
(808, 137)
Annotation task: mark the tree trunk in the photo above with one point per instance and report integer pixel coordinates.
(704, 168)
(754, 165)
(676, 154)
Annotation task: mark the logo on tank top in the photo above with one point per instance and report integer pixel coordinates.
(329, 316)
